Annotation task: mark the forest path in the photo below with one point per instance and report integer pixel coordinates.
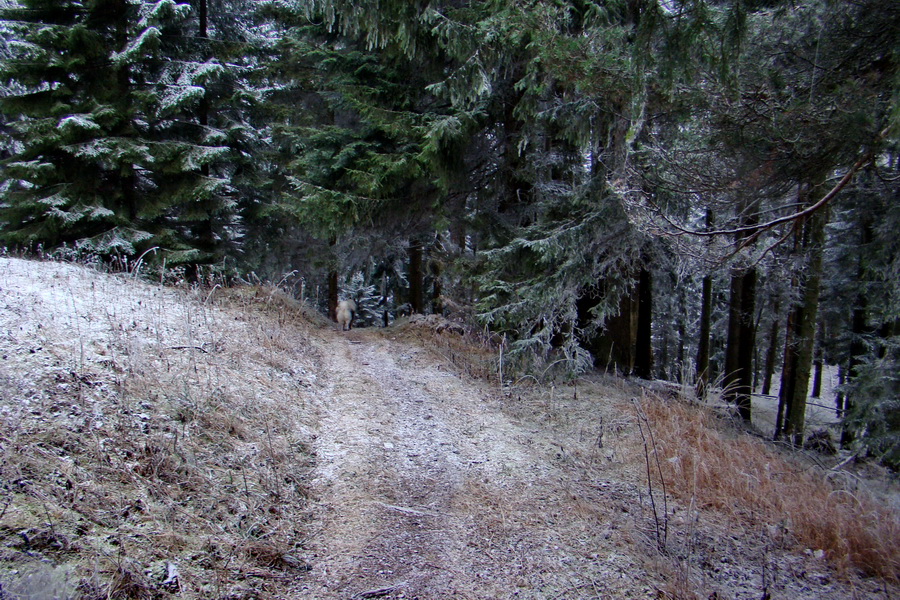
(427, 490)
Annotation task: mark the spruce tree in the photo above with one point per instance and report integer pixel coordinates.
(349, 135)
(73, 175)
(108, 154)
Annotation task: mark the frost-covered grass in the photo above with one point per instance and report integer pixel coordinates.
(153, 442)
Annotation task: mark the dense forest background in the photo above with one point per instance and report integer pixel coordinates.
(700, 191)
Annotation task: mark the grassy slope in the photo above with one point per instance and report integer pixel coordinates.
(152, 441)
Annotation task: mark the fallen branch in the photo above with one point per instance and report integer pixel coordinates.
(845, 462)
(377, 593)
(200, 348)
(408, 511)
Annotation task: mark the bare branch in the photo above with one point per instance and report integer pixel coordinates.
(755, 231)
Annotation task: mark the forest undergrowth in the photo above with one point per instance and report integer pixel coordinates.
(706, 465)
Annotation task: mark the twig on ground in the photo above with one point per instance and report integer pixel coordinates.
(408, 511)
(378, 592)
(200, 348)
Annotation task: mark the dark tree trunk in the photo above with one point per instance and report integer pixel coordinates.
(771, 351)
(703, 343)
(333, 290)
(383, 303)
(839, 397)
(643, 359)
(437, 300)
(817, 378)
(458, 230)
(733, 338)
(589, 299)
(789, 365)
(706, 297)
(859, 329)
(741, 342)
(818, 362)
(746, 345)
(615, 346)
(416, 278)
(805, 327)
(332, 294)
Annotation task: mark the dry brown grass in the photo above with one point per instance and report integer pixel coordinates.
(735, 484)
(470, 351)
(706, 464)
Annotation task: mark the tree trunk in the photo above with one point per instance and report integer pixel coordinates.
(703, 343)
(733, 339)
(817, 377)
(665, 369)
(702, 364)
(771, 351)
(859, 329)
(333, 290)
(385, 315)
(818, 362)
(805, 327)
(437, 300)
(416, 278)
(746, 345)
(789, 365)
(741, 342)
(332, 294)
(589, 298)
(839, 397)
(643, 359)
(615, 346)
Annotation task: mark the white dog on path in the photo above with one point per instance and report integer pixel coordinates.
(346, 310)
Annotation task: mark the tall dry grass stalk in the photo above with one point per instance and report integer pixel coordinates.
(705, 464)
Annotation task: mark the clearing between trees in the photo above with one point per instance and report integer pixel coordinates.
(228, 443)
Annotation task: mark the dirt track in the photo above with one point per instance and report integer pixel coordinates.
(429, 491)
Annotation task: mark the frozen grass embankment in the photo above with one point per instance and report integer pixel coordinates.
(152, 441)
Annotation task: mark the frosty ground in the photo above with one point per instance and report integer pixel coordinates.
(213, 443)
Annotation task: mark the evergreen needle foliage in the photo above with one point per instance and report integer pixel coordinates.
(622, 185)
